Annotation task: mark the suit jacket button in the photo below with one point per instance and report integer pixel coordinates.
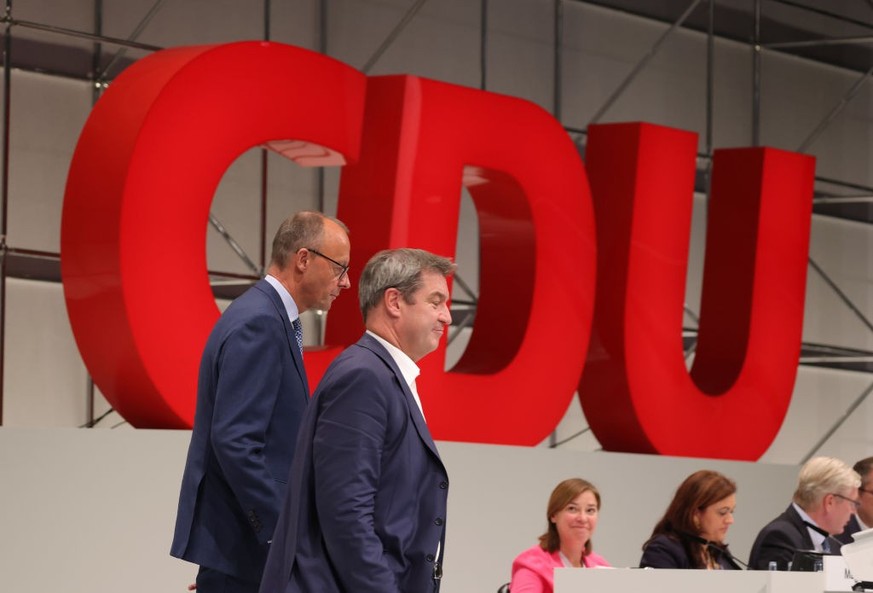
(438, 521)
(429, 557)
(444, 485)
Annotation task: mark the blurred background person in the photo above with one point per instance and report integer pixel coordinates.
(825, 498)
(863, 517)
(572, 514)
(692, 532)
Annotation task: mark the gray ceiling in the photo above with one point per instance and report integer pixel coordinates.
(781, 21)
(835, 32)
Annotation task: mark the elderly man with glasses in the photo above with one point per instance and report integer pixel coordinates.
(825, 499)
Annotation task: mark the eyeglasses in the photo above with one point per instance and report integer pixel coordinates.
(856, 503)
(344, 268)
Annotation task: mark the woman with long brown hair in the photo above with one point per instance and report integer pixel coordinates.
(692, 532)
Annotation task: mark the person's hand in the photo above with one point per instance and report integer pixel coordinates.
(192, 587)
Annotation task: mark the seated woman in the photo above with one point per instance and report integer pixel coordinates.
(572, 515)
(692, 532)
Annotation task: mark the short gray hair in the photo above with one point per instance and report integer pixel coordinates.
(821, 476)
(303, 229)
(400, 269)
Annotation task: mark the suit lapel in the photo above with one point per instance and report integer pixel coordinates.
(374, 346)
(797, 521)
(276, 300)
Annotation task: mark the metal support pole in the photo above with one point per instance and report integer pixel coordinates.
(96, 91)
(83, 35)
(216, 224)
(643, 62)
(4, 188)
(843, 296)
(558, 89)
(710, 84)
(819, 42)
(756, 77)
(398, 28)
(97, 54)
(844, 101)
(322, 47)
(262, 226)
(858, 401)
(133, 36)
(483, 46)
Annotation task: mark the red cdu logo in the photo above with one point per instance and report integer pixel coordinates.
(567, 252)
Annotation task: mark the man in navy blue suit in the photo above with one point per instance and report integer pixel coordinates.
(251, 396)
(365, 509)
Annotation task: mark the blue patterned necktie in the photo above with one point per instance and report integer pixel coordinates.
(298, 333)
(825, 546)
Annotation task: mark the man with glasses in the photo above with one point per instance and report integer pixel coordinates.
(251, 395)
(863, 518)
(826, 497)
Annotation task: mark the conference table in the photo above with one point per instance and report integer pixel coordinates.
(834, 577)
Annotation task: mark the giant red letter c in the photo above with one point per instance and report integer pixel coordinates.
(133, 234)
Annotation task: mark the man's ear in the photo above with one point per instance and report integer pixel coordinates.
(392, 297)
(301, 259)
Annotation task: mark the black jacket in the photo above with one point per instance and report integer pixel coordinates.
(665, 551)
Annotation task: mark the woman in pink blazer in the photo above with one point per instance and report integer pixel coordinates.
(572, 515)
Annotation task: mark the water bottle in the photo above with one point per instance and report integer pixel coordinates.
(772, 565)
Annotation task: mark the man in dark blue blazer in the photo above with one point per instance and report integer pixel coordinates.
(863, 518)
(826, 496)
(251, 396)
(365, 510)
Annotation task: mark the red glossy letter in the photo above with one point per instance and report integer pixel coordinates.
(141, 182)
(636, 391)
(422, 141)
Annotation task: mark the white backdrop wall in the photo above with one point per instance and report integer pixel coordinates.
(94, 510)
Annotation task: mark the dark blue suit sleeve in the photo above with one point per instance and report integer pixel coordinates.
(249, 383)
(348, 446)
(776, 542)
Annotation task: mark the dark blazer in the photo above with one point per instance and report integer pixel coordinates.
(851, 527)
(366, 502)
(251, 395)
(664, 551)
(780, 538)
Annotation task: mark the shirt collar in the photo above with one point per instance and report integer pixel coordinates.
(817, 538)
(408, 368)
(287, 300)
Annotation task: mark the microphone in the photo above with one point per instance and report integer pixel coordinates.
(712, 546)
(725, 551)
(802, 560)
(827, 536)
